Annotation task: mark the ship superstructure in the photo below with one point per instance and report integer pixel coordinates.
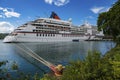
(51, 29)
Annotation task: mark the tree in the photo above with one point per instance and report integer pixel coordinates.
(109, 22)
(93, 67)
(2, 35)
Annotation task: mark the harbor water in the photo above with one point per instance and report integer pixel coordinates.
(56, 53)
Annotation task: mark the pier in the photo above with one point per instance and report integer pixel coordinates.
(99, 40)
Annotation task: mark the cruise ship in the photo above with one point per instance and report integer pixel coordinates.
(51, 29)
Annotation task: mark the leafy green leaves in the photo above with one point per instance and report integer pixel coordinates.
(14, 66)
(109, 21)
(92, 68)
(2, 35)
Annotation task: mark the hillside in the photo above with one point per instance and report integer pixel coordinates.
(2, 35)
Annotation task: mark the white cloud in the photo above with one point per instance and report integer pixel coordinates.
(97, 10)
(1, 16)
(1, 8)
(6, 27)
(61, 2)
(9, 12)
(57, 2)
(49, 1)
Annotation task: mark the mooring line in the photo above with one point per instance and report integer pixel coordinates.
(37, 55)
(31, 62)
(34, 55)
(56, 69)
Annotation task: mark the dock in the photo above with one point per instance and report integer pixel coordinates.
(99, 40)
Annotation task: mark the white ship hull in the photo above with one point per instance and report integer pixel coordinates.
(34, 38)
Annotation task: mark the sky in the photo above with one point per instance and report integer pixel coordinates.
(14, 13)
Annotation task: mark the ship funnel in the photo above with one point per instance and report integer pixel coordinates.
(54, 16)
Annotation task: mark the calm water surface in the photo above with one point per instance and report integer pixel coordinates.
(57, 53)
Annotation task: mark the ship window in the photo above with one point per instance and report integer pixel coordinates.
(37, 34)
(43, 34)
(40, 25)
(46, 34)
(33, 30)
(40, 34)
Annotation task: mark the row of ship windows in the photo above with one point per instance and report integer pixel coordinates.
(45, 34)
(59, 24)
(53, 35)
(71, 35)
(43, 28)
(51, 24)
(45, 31)
(51, 27)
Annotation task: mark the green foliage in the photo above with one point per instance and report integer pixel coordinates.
(114, 57)
(5, 75)
(49, 77)
(113, 54)
(3, 63)
(109, 22)
(92, 68)
(2, 35)
(14, 66)
(36, 77)
(116, 69)
(2, 70)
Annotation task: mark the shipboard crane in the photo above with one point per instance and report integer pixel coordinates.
(58, 70)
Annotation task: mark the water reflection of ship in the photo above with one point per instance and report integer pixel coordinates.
(55, 52)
